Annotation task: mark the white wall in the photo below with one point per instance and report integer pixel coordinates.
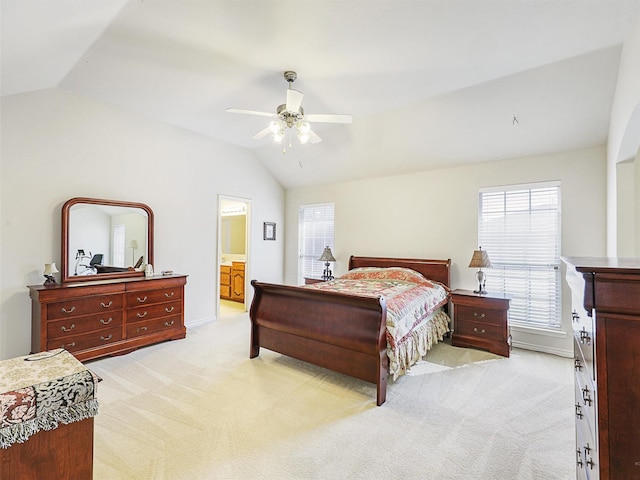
(56, 146)
(624, 129)
(433, 214)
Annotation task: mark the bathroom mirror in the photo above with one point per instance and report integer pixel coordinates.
(104, 239)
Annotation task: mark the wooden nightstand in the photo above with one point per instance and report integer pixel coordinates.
(480, 321)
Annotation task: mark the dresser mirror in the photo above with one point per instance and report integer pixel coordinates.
(104, 239)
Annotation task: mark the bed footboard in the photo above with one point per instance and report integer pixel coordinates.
(341, 332)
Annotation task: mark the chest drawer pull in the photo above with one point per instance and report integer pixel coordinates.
(65, 329)
(107, 305)
(169, 310)
(481, 315)
(169, 294)
(482, 331)
(64, 310)
(68, 345)
(142, 315)
(169, 324)
(586, 396)
(104, 339)
(106, 322)
(141, 329)
(141, 300)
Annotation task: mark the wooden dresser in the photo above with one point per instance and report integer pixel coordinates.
(107, 317)
(606, 326)
(481, 321)
(232, 281)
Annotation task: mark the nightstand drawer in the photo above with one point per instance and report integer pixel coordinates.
(479, 314)
(481, 330)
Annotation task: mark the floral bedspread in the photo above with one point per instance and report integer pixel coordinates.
(415, 320)
(40, 391)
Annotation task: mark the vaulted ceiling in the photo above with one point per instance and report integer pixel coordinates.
(429, 83)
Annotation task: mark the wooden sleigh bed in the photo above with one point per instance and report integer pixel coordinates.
(342, 332)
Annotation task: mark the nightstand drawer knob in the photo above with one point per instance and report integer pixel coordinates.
(479, 331)
(481, 315)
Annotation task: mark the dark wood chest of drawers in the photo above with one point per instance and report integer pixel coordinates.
(110, 317)
(481, 321)
(606, 332)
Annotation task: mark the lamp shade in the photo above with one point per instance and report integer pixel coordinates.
(133, 243)
(480, 259)
(50, 268)
(327, 256)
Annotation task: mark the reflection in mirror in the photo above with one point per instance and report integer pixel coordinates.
(105, 238)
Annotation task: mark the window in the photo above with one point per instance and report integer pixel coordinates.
(519, 227)
(315, 231)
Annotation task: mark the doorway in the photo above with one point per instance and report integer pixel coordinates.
(233, 255)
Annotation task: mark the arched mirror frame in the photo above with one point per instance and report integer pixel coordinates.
(66, 277)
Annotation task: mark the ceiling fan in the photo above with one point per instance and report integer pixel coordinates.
(291, 115)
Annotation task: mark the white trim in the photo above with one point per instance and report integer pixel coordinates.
(537, 348)
(546, 332)
(521, 186)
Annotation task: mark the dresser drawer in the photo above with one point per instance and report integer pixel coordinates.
(478, 314)
(150, 312)
(75, 325)
(481, 330)
(152, 326)
(135, 299)
(84, 306)
(87, 340)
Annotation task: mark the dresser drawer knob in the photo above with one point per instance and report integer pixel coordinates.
(65, 329)
(106, 322)
(477, 315)
(141, 300)
(482, 331)
(141, 329)
(64, 310)
(169, 294)
(142, 315)
(169, 310)
(169, 324)
(104, 339)
(68, 345)
(106, 305)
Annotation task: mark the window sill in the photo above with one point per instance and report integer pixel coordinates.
(547, 332)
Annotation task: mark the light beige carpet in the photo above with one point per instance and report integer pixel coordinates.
(199, 408)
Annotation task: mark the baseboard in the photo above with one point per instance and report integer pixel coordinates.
(553, 351)
(199, 321)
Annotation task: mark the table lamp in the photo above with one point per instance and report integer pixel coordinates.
(480, 260)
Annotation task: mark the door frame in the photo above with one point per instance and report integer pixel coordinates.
(247, 201)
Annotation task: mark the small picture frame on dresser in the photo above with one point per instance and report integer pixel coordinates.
(269, 231)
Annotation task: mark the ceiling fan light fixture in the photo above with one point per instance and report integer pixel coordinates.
(278, 136)
(274, 127)
(304, 128)
(303, 137)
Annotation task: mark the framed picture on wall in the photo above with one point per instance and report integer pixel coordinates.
(269, 231)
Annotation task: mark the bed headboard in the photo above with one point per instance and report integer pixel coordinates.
(437, 270)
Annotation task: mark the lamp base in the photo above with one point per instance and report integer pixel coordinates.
(481, 278)
(50, 280)
(327, 274)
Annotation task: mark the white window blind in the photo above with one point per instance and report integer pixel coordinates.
(315, 231)
(519, 227)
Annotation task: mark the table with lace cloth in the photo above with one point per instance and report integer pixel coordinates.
(42, 391)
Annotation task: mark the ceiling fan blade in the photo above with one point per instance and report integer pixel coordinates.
(294, 100)
(261, 134)
(313, 137)
(251, 112)
(329, 118)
